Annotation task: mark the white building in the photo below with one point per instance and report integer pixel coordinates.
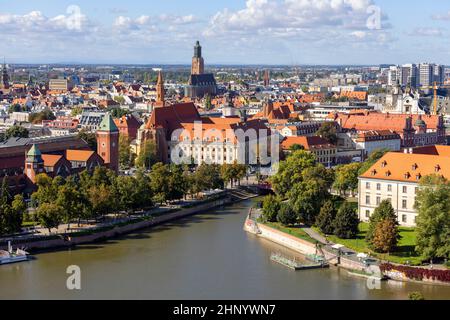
(396, 177)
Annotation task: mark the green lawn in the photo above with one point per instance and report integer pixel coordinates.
(405, 251)
(27, 224)
(294, 231)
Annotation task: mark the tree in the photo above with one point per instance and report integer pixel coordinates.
(126, 186)
(89, 137)
(346, 222)
(148, 155)
(433, 220)
(372, 159)
(208, 176)
(71, 201)
(296, 147)
(385, 236)
(328, 132)
(18, 210)
(38, 117)
(143, 192)
(286, 216)
(226, 172)
(125, 156)
(325, 219)
(47, 189)
(307, 196)
(346, 177)
(384, 211)
(49, 215)
(290, 171)
(16, 132)
(159, 182)
(415, 296)
(271, 207)
(238, 171)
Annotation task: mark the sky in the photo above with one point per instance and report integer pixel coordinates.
(289, 32)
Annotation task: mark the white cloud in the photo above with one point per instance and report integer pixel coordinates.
(444, 17)
(426, 32)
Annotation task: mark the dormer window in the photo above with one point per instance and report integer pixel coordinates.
(374, 172)
(407, 175)
(418, 176)
(387, 173)
(384, 164)
(437, 168)
(414, 166)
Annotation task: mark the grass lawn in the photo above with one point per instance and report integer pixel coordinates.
(405, 250)
(294, 231)
(29, 224)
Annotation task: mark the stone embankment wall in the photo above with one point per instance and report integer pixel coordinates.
(119, 230)
(281, 238)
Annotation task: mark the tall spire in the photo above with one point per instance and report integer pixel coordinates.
(160, 89)
(5, 77)
(197, 60)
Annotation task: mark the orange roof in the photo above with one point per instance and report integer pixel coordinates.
(309, 143)
(78, 155)
(358, 95)
(50, 160)
(409, 167)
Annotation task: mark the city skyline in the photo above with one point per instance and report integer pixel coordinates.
(359, 32)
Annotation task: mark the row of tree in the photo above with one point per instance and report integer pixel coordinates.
(88, 196)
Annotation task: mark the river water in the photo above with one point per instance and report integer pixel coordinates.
(207, 256)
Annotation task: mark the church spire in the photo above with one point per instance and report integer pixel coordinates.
(198, 64)
(5, 77)
(160, 89)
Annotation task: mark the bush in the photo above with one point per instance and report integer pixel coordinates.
(418, 273)
(415, 296)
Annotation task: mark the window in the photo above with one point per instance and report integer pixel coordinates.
(416, 189)
(367, 185)
(367, 213)
(378, 186)
(367, 199)
(404, 218)
(405, 189)
(389, 187)
(378, 200)
(404, 204)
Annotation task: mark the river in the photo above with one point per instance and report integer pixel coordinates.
(206, 256)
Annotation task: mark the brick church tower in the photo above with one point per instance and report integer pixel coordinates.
(198, 64)
(160, 90)
(34, 164)
(108, 142)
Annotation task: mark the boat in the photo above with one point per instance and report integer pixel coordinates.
(294, 265)
(12, 256)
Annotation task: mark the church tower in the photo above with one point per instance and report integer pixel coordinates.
(34, 164)
(198, 64)
(160, 89)
(5, 78)
(108, 142)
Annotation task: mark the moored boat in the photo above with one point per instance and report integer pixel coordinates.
(12, 256)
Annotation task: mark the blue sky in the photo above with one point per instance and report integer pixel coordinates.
(289, 32)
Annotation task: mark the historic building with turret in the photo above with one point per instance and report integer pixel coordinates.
(200, 83)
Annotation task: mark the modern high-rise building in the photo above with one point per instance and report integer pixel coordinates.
(409, 75)
(426, 74)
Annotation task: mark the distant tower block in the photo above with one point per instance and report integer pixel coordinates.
(4, 84)
(198, 64)
(266, 78)
(160, 89)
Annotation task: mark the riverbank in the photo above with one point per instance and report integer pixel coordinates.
(145, 221)
(306, 246)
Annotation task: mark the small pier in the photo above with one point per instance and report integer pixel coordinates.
(294, 265)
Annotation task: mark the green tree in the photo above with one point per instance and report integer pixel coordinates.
(49, 215)
(143, 192)
(208, 176)
(372, 159)
(290, 171)
(126, 186)
(346, 222)
(384, 211)
(125, 156)
(328, 132)
(38, 117)
(71, 201)
(286, 215)
(325, 219)
(433, 220)
(47, 189)
(89, 137)
(271, 208)
(346, 177)
(159, 182)
(16, 132)
(385, 236)
(148, 155)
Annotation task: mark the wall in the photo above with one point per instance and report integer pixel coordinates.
(102, 235)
